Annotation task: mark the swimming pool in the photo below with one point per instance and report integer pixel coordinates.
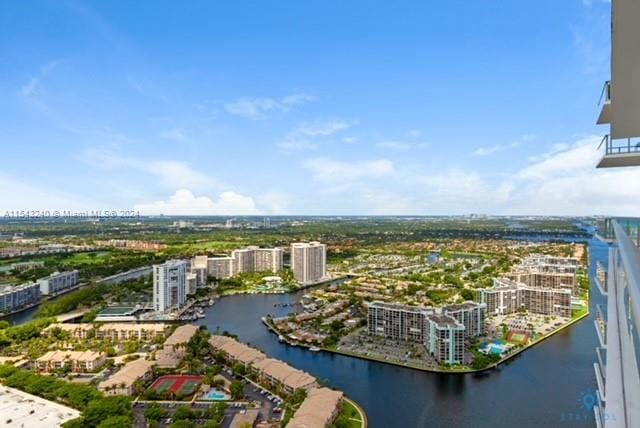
(215, 395)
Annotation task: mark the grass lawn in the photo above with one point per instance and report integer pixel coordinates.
(348, 416)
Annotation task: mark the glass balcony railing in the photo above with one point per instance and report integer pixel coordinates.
(630, 225)
(601, 278)
(601, 326)
(620, 152)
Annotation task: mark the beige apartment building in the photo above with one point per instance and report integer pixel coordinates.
(121, 382)
(78, 361)
(309, 261)
(270, 371)
(318, 410)
(112, 331)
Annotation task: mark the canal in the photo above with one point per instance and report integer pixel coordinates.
(550, 385)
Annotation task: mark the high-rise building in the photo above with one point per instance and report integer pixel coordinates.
(442, 331)
(309, 261)
(507, 297)
(200, 267)
(617, 368)
(256, 259)
(445, 339)
(398, 322)
(169, 285)
(471, 315)
(220, 267)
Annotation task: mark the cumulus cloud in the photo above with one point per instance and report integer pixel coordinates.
(332, 170)
(184, 202)
(258, 108)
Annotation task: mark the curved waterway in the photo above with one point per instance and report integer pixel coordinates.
(550, 385)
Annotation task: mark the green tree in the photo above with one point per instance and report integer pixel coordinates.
(155, 412)
(183, 412)
(237, 390)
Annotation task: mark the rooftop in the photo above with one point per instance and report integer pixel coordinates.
(182, 334)
(26, 410)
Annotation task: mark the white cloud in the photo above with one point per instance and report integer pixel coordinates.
(486, 151)
(400, 145)
(304, 136)
(16, 194)
(257, 108)
(184, 202)
(274, 202)
(30, 88)
(331, 170)
(321, 128)
(349, 140)
(174, 134)
(172, 174)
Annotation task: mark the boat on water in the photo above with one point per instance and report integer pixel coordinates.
(314, 349)
(281, 338)
(211, 302)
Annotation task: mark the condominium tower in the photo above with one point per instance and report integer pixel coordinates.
(617, 368)
(309, 261)
(169, 285)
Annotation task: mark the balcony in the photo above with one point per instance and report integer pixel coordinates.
(601, 278)
(600, 322)
(619, 153)
(605, 113)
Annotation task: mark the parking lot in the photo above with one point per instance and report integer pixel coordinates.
(254, 397)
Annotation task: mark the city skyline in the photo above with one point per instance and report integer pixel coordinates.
(318, 109)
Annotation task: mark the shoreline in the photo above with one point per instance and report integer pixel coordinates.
(492, 366)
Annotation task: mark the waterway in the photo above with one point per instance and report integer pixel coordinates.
(550, 385)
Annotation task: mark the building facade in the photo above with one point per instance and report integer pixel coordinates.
(256, 259)
(16, 297)
(220, 267)
(59, 282)
(507, 297)
(309, 261)
(397, 322)
(445, 339)
(471, 315)
(169, 285)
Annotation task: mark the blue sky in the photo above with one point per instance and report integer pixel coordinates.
(318, 107)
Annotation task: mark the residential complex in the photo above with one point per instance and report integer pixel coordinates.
(256, 259)
(442, 331)
(122, 382)
(220, 267)
(173, 352)
(273, 372)
(398, 322)
(169, 285)
(507, 297)
(16, 297)
(321, 405)
(445, 339)
(309, 261)
(76, 361)
(318, 410)
(59, 282)
(471, 315)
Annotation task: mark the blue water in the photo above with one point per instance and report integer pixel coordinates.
(541, 387)
(215, 395)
